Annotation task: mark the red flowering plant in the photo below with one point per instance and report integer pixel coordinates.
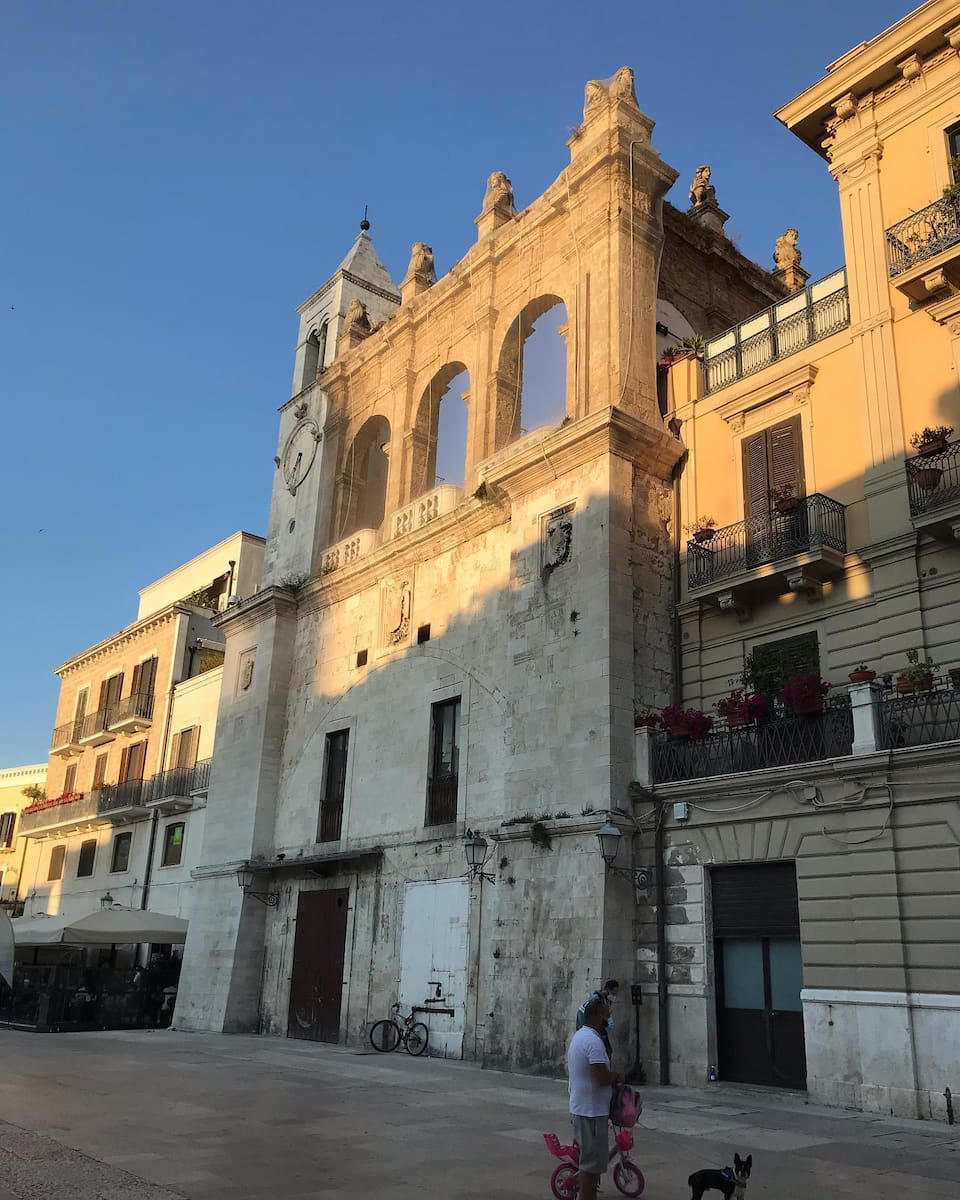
(805, 693)
(685, 722)
(742, 706)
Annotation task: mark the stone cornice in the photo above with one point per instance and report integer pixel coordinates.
(138, 629)
(260, 607)
(11, 776)
(788, 382)
(340, 273)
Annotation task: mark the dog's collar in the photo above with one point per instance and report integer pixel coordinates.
(727, 1173)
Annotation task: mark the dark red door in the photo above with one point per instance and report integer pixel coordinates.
(318, 949)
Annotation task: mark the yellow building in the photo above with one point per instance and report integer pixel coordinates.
(19, 787)
(820, 844)
(123, 808)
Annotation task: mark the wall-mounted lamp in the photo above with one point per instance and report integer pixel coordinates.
(609, 837)
(245, 876)
(106, 900)
(475, 846)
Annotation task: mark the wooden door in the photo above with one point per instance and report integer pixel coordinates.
(316, 986)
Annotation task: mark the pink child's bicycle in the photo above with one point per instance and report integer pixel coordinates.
(626, 1174)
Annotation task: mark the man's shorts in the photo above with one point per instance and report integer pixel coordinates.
(592, 1135)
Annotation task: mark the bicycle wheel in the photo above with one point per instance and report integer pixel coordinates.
(384, 1036)
(417, 1037)
(629, 1178)
(564, 1182)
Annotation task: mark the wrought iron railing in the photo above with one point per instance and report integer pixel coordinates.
(821, 309)
(67, 734)
(817, 522)
(201, 775)
(442, 800)
(129, 794)
(177, 781)
(923, 234)
(933, 480)
(138, 704)
(97, 722)
(781, 741)
(920, 718)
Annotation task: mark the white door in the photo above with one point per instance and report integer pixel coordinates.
(433, 949)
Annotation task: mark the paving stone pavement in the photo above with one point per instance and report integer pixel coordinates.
(164, 1116)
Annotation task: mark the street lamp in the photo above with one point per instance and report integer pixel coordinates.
(609, 838)
(245, 877)
(475, 847)
(106, 900)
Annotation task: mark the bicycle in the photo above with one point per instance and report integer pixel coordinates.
(387, 1035)
(564, 1182)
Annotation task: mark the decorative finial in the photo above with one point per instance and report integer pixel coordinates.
(364, 224)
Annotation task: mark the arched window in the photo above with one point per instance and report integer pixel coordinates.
(364, 497)
(322, 346)
(440, 431)
(532, 374)
(311, 360)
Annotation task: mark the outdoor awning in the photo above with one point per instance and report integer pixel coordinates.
(106, 927)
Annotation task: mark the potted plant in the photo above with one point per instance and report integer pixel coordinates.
(805, 693)
(645, 718)
(702, 529)
(862, 674)
(918, 676)
(931, 439)
(685, 722)
(686, 347)
(784, 498)
(741, 708)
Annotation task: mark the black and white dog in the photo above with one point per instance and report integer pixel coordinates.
(729, 1180)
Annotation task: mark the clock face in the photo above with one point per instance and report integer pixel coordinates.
(299, 453)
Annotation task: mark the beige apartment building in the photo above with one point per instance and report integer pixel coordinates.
(123, 809)
(18, 788)
(813, 857)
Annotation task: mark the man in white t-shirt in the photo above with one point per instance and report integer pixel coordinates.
(591, 1086)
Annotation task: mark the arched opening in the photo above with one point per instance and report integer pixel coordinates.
(532, 373)
(365, 482)
(440, 431)
(322, 346)
(671, 326)
(311, 358)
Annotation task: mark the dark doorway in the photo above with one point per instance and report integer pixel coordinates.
(759, 974)
(318, 949)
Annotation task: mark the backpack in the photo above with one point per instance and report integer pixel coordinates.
(625, 1106)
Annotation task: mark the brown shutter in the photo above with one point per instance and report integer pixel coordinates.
(785, 454)
(124, 763)
(144, 678)
(191, 753)
(100, 769)
(135, 760)
(70, 779)
(756, 502)
(174, 760)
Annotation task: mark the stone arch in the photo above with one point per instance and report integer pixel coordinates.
(439, 436)
(314, 354)
(531, 380)
(364, 479)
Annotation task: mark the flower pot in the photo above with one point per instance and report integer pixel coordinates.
(679, 731)
(906, 685)
(936, 447)
(805, 707)
(703, 535)
(787, 504)
(928, 478)
(738, 720)
(862, 676)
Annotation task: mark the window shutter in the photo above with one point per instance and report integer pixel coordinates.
(135, 760)
(100, 769)
(70, 779)
(147, 677)
(194, 738)
(756, 502)
(785, 451)
(135, 681)
(124, 764)
(175, 750)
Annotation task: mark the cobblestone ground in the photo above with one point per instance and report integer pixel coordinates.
(157, 1116)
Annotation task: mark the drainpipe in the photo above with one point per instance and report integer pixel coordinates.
(167, 722)
(663, 1012)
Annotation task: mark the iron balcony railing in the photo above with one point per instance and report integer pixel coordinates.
(933, 480)
(97, 722)
(67, 734)
(923, 234)
(138, 704)
(821, 309)
(816, 523)
(129, 794)
(921, 718)
(201, 775)
(781, 741)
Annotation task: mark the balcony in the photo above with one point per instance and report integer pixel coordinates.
(920, 718)
(72, 810)
(125, 801)
(933, 483)
(820, 310)
(172, 791)
(793, 551)
(348, 551)
(132, 714)
(783, 741)
(66, 739)
(423, 510)
(923, 250)
(95, 730)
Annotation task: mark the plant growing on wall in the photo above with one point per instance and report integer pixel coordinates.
(540, 835)
(34, 793)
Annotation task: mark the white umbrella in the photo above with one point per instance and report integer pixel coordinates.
(107, 926)
(6, 948)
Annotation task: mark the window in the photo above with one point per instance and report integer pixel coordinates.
(183, 753)
(771, 664)
(334, 784)
(100, 769)
(80, 710)
(88, 853)
(172, 845)
(110, 691)
(444, 763)
(361, 658)
(131, 761)
(953, 145)
(423, 634)
(144, 678)
(55, 867)
(8, 822)
(121, 852)
(70, 779)
(772, 459)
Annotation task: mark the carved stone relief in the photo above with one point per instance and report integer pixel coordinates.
(245, 669)
(556, 540)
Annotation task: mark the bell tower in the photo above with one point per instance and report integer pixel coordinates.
(357, 298)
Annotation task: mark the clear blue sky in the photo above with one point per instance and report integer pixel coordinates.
(179, 175)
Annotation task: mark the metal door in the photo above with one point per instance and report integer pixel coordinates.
(434, 951)
(316, 986)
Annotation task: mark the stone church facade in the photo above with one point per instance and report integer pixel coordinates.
(427, 659)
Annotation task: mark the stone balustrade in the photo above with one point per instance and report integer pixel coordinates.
(422, 511)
